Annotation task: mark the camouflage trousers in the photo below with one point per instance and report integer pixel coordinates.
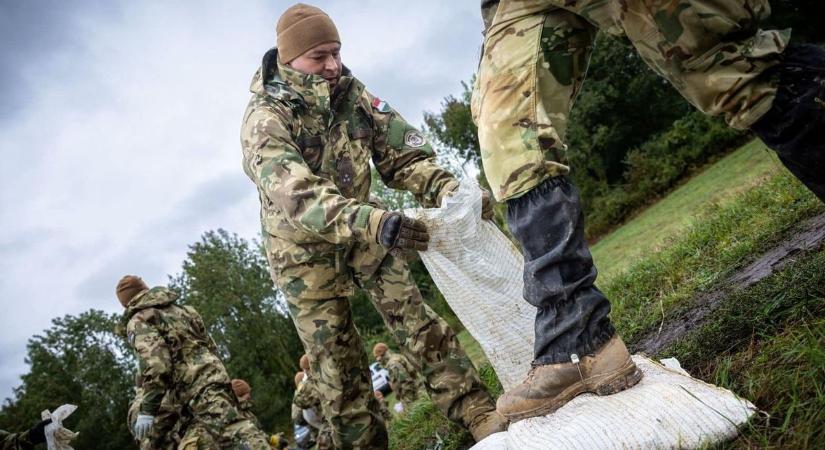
(536, 53)
(218, 424)
(324, 439)
(339, 362)
(406, 392)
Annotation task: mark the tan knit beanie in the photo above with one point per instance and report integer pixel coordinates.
(380, 349)
(128, 287)
(304, 362)
(240, 387)
(302, 27)
(299, 377)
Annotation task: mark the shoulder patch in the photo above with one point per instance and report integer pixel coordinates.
(380, 105)
(414, 139)
(131, 337)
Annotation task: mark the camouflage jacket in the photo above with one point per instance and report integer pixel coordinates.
(165, 432)
(307, 396)
(403, 379)
(245, 409)
(308, 151)
(297, 415)
(15, 441)
(174, 350)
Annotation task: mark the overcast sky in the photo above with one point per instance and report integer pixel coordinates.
(119, 132)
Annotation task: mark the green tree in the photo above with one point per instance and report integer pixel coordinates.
(79, 360)
(226, 279)
(622, 104)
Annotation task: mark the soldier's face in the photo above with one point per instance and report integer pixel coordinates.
(323, 60)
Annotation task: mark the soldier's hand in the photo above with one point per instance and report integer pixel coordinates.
(398, 232)
(143, 425)
(487, 204)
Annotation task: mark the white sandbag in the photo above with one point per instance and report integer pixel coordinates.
(665, 410)
(479, 272)
(57, 437)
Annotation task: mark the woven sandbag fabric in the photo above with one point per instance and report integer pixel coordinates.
(666, 410)
(479, 272)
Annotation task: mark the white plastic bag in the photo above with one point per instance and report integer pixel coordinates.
(479, 271)
(57, 437)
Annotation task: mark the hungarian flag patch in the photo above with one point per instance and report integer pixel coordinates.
(380, 105)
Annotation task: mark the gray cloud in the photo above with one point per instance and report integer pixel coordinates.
(144, 256)
(35, 31)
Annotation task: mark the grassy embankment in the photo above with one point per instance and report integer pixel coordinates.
(765, 342)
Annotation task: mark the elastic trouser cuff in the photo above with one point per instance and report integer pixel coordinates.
(590, 347)
(559, 276)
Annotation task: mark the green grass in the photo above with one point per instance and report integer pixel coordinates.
(767, 343)
(423, 426)
(668, 218)
(722, 239)
(472, 347)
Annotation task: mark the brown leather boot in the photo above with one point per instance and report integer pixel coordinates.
(550, 386)
(486, 424)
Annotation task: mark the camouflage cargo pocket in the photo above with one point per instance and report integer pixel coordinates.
(504, 107)
(365, 259)
(274, 223)
(310, 270)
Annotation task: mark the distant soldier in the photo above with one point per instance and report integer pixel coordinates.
(177, 355)
(309, 135)
(243, 393)
(533, 64)
(305, 434)
(303, 363)
(403, 376)
(25, 440)
(382, 406)
(308, 398)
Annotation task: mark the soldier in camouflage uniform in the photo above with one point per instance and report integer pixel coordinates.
(297, 413)
(382, 406)
(243, 395)
(403, 379)
(533, 64)
(308, 399)
(177, 355)
(308, 136)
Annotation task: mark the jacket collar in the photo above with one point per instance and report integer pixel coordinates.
(157, 296)
(300, 89)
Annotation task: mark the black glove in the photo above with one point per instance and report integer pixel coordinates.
(37, 434)
(398, 232)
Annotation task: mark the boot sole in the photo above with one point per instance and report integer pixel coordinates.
(618, 380)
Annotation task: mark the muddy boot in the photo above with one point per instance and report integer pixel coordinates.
(795, 125)
(486, 424)
(550, 386)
